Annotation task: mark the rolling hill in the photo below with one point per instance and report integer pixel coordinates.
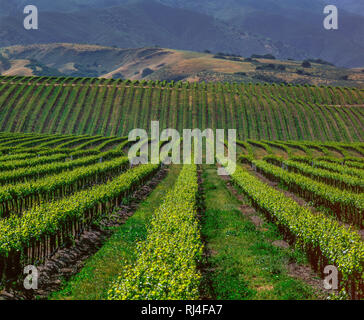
(137, 24)
(167, 64)
(107, 107)
(93, 224)
(296, 23)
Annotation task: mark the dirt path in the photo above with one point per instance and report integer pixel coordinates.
(67, 262)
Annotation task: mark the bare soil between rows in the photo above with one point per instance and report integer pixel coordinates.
(299, 200)
(67, 262)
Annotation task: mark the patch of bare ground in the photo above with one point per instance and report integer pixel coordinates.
(335, 153)
(306, 274)
(298, 152)
(316, 153)
(259, 152)
(302, 272)
(67, 262)
(279, 152)
(354, 152)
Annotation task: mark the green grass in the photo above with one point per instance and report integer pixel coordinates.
(95, 279)
(243, 264)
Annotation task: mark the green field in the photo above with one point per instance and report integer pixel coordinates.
(99, 228)
(113, 107)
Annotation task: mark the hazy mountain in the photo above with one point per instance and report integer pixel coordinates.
(298, 23)
(286, 28)
(13, 6)
(139, 24)
(354, 6)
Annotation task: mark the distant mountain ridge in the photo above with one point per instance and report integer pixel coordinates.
(297, 23)
(139, 24)
(354, 6)
(285, 28)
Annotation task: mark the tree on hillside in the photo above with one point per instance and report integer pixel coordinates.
(146, 72)
(306, 64)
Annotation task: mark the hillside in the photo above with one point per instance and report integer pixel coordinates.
(114, 107)
(285, 28)
(167, 64)
(136, 24)
(296, 23)
(353, 6)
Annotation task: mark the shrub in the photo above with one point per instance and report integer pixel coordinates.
(306, 64)
(146, 72)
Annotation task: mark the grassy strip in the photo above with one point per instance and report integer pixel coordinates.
(95, 279)
(243, 264)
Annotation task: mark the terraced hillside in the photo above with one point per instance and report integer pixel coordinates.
(60, 193)
(110, 107)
